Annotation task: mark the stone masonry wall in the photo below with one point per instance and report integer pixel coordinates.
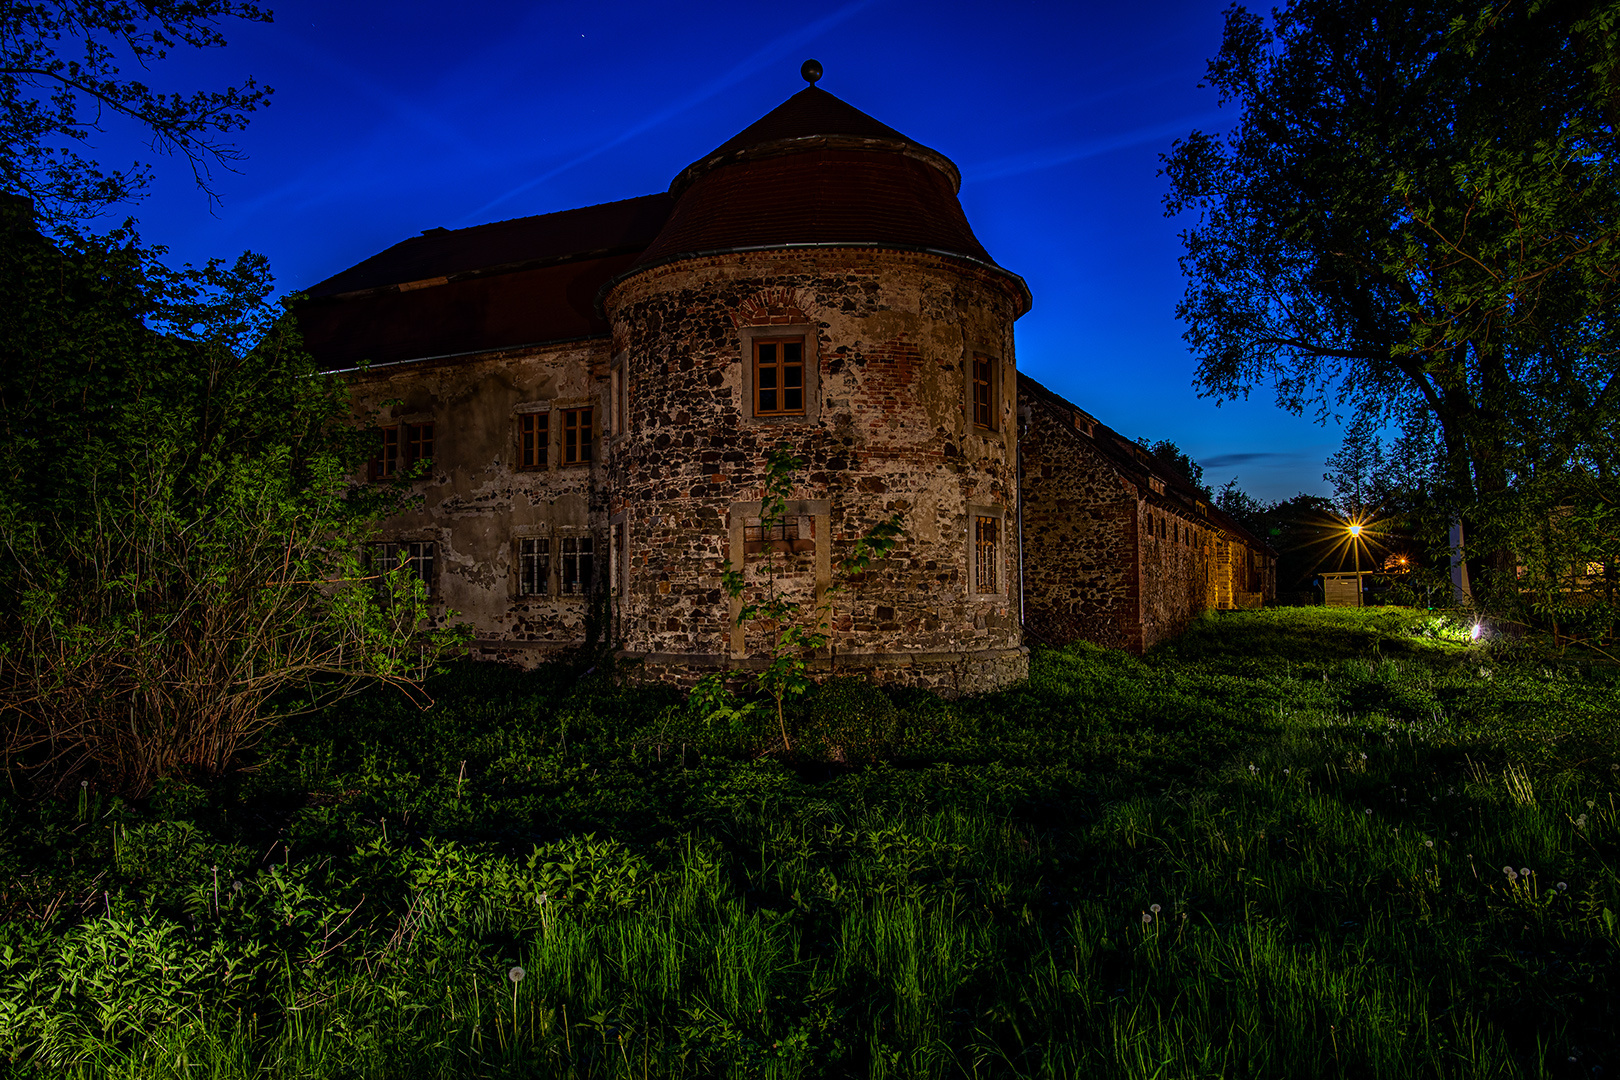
(889, 339)
(1175, 570)
(1081, 578)
(475, 504)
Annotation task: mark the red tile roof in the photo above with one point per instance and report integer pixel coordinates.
(494, 286)
(811, 115)
(493, 311)
(605, 229)
(814, 170)
(819, 196)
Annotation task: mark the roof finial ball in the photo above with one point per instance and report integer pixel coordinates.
(811, 70)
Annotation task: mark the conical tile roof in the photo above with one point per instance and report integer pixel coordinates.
(816, 171)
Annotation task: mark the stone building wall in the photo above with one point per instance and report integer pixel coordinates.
(886, 430)
(476, 505)
(1082, 580)
(1115, 551)
(1175, 570)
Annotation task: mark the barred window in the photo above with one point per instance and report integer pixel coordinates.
(534, 438)
(576, 433)
(986, 557)
(576, 565)
(779, 377)
(534, 567)
(418, 559)
(401, 446)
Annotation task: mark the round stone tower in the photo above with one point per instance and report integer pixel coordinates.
(817, 286)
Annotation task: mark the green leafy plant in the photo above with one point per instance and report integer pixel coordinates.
(797, 630)
(180, 535)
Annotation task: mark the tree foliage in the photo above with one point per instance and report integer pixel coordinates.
(180, 542)
(60, 82)
(1178, 461)
(1417, 211)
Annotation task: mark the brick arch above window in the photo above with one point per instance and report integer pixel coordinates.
(771, 307)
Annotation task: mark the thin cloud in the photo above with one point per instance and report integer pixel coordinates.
(1222, 461)
(761, 59)
(1052, 156)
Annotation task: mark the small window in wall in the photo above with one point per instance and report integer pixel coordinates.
(779, 377)
(621, 552)
(576, 565)
(401, 446)
(986, 554)
(534, 566)
(576, 436)
(534, 440)
(417, 556)
(984, 392)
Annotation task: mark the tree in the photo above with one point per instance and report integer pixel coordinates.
(1179, 462)
(51, 101)
(1417, 208)
(1242, 507)
(1356, 468)
(180, 541)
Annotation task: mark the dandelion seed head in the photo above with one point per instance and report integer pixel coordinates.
(1363, 755)
(1367, 811)
(1524, 871)
(1562, 886)
(1153, 908)
(86, 783)
(1507, 869)
(1430, 843)
(516, 975)
(1146, 918)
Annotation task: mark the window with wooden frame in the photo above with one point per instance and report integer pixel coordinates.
(534, 566)
(534, 440)
(400, 447)
(417, 557)
(576, 436)
(779, 376)
(984, 392)
(986, 554)
(576, 566)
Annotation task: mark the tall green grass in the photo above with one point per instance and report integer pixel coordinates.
(1279, 847)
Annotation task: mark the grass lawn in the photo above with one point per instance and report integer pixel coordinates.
(1292, 843)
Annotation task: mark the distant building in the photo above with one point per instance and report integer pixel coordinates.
(597, 388)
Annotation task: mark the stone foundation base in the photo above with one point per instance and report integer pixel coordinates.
(946, 674)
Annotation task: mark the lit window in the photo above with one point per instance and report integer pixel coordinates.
(576, 565)
(534, 567)
(576, 436)
(779, 377)
(403, 445)
(534, 438)
(986, 560)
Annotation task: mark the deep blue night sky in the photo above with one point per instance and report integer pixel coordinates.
(393, 118)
